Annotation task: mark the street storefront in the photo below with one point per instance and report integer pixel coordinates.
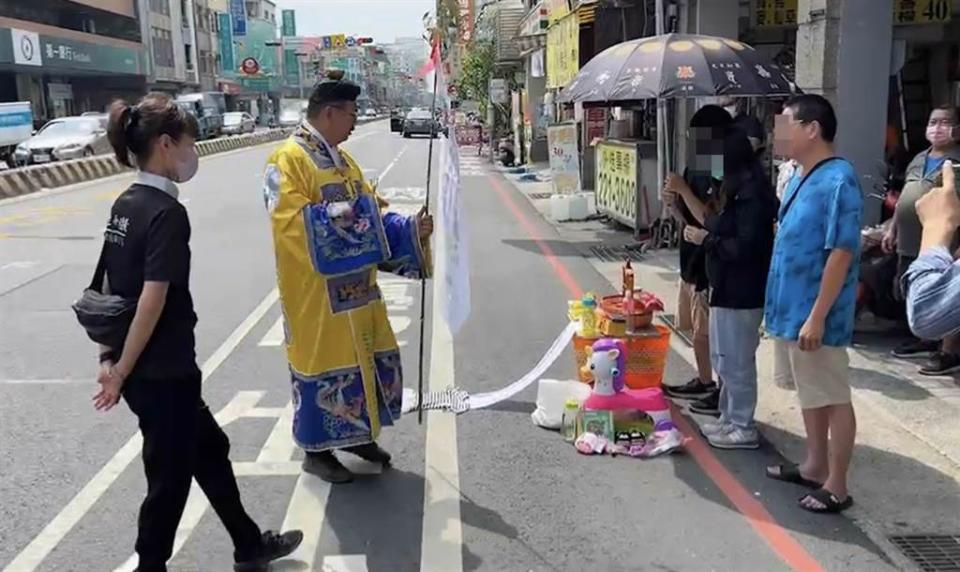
(66, 76)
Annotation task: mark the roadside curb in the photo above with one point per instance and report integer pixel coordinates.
(27, 180)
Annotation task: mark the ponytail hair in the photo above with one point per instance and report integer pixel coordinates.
(133, 129)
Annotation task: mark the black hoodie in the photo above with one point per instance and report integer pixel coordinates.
(740, 242)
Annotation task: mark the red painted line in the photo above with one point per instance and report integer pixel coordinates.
(763, 523)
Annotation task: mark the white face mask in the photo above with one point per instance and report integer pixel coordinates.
(186, 167)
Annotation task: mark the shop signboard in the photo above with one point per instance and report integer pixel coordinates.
(536, 21)
(564, 158)
(563, 51)
(595, 123)
(238, 13)
(289, 24)
(921, 12)
(616, 181)
(779, 13)
(557, 10)
(498, 91)
(226, 42)
(775, 13)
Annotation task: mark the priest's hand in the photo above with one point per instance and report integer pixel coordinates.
(424, 223)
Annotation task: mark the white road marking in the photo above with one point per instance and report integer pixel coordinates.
(54, 532)
(442, 535)
(279, 446)
(306, 511)
(19, 265)
(383, 174)
(274, 337)
(345, 563)
(47, 381)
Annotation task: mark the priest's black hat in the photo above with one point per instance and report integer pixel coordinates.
(334, 89)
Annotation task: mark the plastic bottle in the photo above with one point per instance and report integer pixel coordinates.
(568, 423)
(588, 320)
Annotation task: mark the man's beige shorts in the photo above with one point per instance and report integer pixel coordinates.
(693, 311)
(822, 377)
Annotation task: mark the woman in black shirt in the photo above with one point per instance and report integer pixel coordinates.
(147, 257)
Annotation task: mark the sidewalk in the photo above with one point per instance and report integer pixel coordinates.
(906, 470)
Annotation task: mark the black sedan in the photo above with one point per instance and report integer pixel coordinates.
(420, 123)
(396, 121)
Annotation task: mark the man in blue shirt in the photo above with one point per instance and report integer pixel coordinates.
(811, 295)
(932, 282)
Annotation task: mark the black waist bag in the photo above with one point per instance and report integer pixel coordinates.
(105, 317)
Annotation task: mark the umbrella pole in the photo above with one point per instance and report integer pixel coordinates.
(661, 131)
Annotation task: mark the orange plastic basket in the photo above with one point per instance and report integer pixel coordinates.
(646, 357)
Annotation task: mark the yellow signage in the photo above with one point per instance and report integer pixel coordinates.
(616, 181)
(775, 13)
(778, 13)
(557, 10)
(921, 11)
(563, 51)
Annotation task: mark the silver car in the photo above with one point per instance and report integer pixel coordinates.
(64, 138)
(238, 122)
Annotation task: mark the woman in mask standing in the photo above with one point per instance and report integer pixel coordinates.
(904, 234)
(147, 257)
(737, 238)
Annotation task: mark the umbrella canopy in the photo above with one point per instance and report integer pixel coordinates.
(676, 65)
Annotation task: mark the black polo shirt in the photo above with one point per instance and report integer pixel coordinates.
(693, 257)
(147, 239)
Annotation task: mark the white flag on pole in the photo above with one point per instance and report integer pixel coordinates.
(455, 251)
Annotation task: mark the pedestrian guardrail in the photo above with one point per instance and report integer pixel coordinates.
(26, 180)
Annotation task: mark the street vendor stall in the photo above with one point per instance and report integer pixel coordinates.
(661, 68)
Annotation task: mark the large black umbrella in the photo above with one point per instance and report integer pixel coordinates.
(676, 65)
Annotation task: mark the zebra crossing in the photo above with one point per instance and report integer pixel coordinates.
(472, 166)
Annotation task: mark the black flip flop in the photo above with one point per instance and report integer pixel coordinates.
(832, 505)
(790, 473)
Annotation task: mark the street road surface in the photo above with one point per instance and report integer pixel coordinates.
(71, 479)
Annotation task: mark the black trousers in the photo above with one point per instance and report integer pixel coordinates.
(182, 441)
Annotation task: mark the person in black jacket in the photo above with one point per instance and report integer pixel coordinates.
(146, 254)
(738, 241)
(700, 187)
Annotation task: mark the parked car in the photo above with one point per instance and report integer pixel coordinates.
(396, 120)
(368, 113)
(64, 138)
(208, 126)
(290, 117)
(420, 122)
(237, 123)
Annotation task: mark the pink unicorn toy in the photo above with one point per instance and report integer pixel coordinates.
(607, 362)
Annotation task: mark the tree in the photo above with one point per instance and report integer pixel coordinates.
(476, 71)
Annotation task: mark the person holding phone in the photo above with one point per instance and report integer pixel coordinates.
(146, 257)
(903, 236)
(932, 282)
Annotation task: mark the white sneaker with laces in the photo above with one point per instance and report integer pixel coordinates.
(709, 428)
(736, 438)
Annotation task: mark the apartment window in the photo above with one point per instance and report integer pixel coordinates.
(162, 47)
(160, 6)
(186, 49)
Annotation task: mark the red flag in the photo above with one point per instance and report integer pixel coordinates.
(432, 63)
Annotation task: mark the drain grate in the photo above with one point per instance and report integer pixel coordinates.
(932, 553)
(618, 253)
(539, 196)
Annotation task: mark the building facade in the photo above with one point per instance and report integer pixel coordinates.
(69, 57)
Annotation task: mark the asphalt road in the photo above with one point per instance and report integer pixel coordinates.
(71, 479)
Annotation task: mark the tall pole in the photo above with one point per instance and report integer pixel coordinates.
(426, 210)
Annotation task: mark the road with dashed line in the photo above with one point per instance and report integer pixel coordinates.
(485, 491)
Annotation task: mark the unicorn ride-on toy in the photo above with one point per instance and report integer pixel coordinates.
(633, 409)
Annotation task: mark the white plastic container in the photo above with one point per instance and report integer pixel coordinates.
(552, 396)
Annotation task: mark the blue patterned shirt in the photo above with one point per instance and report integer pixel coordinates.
(932, 284)
(825, 215)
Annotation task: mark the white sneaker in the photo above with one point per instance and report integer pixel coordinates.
(736, 438)
(709, 428)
